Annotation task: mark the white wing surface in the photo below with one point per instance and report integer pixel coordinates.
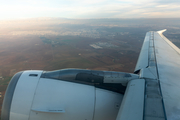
(168, 67)
(159, 66)
(162, 74)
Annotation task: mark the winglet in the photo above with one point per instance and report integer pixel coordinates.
(161, 31)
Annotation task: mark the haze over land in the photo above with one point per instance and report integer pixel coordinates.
(57, 43)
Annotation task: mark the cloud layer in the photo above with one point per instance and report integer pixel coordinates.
(14, 9)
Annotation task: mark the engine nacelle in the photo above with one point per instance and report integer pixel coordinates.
(33, 96)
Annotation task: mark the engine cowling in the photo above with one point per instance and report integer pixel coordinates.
(33, 96)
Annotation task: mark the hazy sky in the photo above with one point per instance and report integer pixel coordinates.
(15, 9)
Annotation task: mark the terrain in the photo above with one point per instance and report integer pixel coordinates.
(57, 43)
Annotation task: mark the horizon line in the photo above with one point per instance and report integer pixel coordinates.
(79, 18)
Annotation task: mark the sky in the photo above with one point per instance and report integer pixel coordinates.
(87, 9)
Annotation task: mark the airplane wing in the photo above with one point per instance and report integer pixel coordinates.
(159, 66)
(167, 57)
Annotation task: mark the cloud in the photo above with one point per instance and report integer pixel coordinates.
(162, 6)
(89, 8)
(167, 1)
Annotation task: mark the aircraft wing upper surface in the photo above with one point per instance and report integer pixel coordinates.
(159, 65)
(168, 66)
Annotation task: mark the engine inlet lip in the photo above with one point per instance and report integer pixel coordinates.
(9, 96)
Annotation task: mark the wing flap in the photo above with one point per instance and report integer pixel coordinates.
(133, 101)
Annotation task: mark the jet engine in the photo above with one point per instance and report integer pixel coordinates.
(67, 94)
